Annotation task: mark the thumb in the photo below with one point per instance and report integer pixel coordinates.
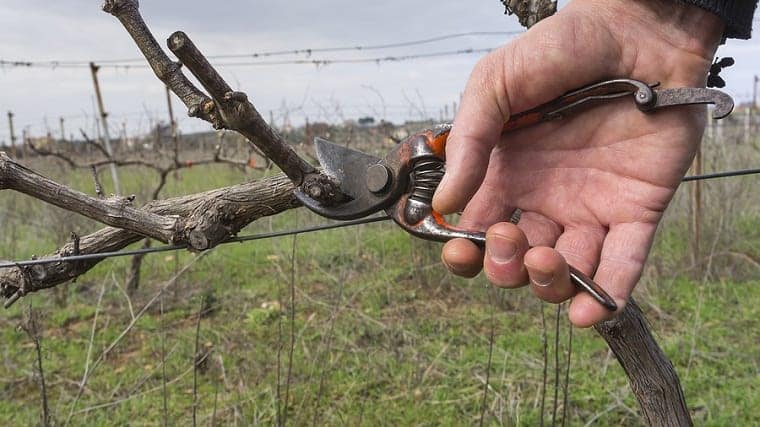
(557, 55)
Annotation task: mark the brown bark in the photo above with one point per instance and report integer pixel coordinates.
(224, 108)
(529, 12)
(213, 216)
(652, 377)
(114, 211)
(127, 12)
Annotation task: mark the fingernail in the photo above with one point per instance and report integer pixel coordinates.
(449, 266)
(541, 278)
(500, 249)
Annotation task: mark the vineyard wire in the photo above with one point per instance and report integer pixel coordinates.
(247, 238)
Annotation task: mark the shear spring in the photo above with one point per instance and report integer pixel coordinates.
(426, 175)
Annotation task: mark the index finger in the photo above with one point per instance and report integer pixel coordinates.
(557, 55)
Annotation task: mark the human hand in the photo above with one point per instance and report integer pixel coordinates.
(594, 186)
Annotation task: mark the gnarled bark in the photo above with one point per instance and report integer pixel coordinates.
(653, 379)
(212, 217)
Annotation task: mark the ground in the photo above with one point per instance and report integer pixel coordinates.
(362, 326)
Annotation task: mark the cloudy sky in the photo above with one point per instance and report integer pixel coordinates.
(76, 30)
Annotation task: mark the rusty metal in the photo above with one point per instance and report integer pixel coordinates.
(403, 183)
(648, 98)
(723, 103)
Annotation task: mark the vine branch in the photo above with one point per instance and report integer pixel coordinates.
(210, 218)
(224, 108)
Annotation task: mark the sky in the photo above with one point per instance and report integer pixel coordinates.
(77, 30)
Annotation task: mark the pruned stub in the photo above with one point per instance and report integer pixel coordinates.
(529, 12)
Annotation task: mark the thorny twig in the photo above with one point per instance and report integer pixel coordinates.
(197, 359)
(31, 326)
(292, 321)
(164, 392)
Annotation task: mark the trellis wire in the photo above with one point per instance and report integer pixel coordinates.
(240, 239)
(248, 238)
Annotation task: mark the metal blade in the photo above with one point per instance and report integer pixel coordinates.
(347, 166)
(724, 104)
(362, 177)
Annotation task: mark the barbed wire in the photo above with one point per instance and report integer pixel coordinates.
(248, 238)
(263, 54)
(316, 62)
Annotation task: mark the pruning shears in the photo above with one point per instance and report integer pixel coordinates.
(404, 181)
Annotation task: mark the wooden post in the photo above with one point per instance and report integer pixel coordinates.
(24, 141)
(104, 121)
(13, 134)
(753, 107)
(747, 124)
(696, 200)
(63, 130)
(124, 139)
(172, 124)
(308, 137)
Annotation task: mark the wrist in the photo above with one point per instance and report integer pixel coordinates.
(686, 26)
(676, 39)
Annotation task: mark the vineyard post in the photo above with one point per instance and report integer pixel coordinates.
(748, 124)
(25, 137)
(173, 125)
(696, 191)
(753, 107)
(63, 131)
(104, 122)
(696, 206)
(13, 134)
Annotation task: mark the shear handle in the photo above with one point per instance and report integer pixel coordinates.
(415, 214)
(585, 97)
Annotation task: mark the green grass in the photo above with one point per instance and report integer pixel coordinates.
(382, 334)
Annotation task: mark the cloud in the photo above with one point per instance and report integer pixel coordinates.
(79, 30)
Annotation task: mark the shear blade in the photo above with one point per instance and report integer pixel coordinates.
(347, 166)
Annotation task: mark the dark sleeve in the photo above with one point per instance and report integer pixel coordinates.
(736, 14)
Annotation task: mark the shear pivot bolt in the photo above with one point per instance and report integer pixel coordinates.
(378, 178)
